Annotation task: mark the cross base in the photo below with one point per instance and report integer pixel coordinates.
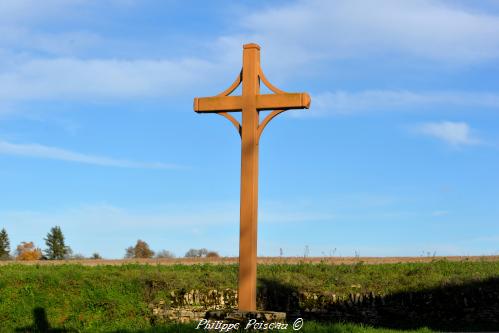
(245, 318)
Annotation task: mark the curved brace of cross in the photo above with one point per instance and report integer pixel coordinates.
(268, 84)
(233, 86)
(233, 120)
(223, 102)
(266, 120)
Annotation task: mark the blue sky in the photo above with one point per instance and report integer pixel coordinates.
(398, 154)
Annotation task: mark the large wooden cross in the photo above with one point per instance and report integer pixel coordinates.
(250, 103)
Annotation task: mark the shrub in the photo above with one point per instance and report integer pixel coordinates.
(95, 255)
(212, 254)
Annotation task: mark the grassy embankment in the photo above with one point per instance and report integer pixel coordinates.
(114, 298)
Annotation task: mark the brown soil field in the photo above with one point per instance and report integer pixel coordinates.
(261, 260)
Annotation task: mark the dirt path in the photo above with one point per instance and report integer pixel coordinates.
(261, 260)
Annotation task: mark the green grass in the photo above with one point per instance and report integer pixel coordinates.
(112, 298)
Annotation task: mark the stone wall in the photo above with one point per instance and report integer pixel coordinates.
(184, 306)
(474, 306)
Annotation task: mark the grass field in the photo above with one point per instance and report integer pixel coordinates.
(115, 298)
(261, 260)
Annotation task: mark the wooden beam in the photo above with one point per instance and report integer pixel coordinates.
(248, 224)
(263, 102)
(217, 103)
(282, 101)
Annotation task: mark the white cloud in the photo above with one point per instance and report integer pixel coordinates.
(98, 214)
(55, 43)
(440, 213)
(41, 151)
(109, 229)
(293, 34)
(12, 11)
(64, 78)
(29, 12)
(453, 133)
(490, 238)
(430, 29)
(65, 60)
(195, 215)
(346, 103)
(31, 28)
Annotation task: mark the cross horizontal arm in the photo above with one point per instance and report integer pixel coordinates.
(283, 101)
(217, 103)
(263, 102)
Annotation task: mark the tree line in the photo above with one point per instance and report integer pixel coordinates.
(142, 250)
(56, 249)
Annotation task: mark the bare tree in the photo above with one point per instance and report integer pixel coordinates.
(196, 253)
(165, 254)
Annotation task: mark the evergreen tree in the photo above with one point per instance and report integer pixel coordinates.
(56, 249)
(4, 245)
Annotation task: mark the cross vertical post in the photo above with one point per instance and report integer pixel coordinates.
(250, 104)
(249, 180)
